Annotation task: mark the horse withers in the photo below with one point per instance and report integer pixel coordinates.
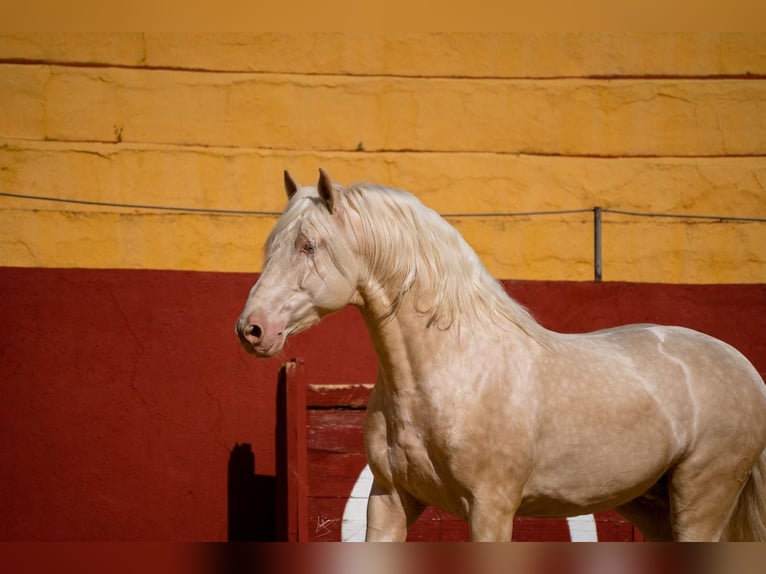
(664, 424)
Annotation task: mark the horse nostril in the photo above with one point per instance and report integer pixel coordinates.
(253, 332)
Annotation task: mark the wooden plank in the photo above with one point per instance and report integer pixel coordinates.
(612, 526)
(353, 396)
(292, 467)
(336, 431)
(334, 475)
(437, 525)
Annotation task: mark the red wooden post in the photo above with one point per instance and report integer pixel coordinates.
(291, 452)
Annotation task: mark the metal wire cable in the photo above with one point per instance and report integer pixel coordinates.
(214, 211)
(517, 213)
(139, 206)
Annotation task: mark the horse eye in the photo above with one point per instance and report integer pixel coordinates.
(309, 247)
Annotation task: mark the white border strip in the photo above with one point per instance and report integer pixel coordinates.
(354, 524)
(582, 528)
(353, 527)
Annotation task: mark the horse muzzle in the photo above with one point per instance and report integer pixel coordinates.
(259, 336)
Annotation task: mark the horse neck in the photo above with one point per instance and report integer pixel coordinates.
(409, 351)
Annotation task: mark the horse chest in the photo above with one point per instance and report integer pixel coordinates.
(408, 455)
(407, 451)
(418, 467)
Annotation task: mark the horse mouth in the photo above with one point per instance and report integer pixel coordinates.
(265, 348)
(265, 339)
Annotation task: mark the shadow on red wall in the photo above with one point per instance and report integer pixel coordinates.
(251, 498)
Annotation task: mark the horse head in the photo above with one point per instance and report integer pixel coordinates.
(309, 269)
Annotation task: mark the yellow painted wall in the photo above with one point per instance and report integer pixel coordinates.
(477, 123)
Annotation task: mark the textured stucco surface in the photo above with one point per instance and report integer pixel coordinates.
(471, 123)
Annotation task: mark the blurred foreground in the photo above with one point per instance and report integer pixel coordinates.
(423, 558)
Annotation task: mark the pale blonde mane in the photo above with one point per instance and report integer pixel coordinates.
(413, 249)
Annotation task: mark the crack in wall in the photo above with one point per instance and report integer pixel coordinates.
(133, 380)
(219, 419)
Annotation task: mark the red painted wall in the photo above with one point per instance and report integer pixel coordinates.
(125, 392)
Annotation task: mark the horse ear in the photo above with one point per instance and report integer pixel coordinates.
(290, 186)
(326, 190)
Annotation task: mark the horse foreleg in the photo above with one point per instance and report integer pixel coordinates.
(389, 514)
(490, 521)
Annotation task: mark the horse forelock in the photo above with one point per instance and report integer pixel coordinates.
(306, 214)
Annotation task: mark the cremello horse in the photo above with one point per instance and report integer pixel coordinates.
(482, 412)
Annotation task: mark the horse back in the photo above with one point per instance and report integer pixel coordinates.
(683, 376)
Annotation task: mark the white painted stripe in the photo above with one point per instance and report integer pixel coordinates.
(353, 527)
(582, 528)
(354, 524)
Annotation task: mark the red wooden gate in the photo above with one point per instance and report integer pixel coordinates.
(320, 457)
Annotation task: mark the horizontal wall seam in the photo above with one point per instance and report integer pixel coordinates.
(112, 145)
(349, 74)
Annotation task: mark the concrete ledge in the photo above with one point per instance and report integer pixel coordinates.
(321, 113)
(476, 55)
(251, 179)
